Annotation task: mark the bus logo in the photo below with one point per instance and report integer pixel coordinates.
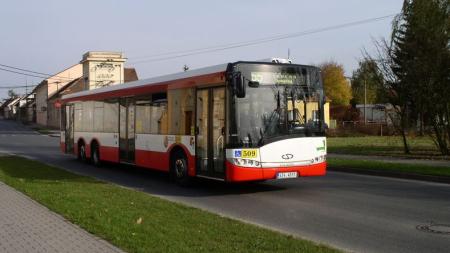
(287, 156)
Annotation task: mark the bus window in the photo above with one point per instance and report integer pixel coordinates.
(110, 115)
(180, 108)
(78, 117)
(98, 117)
(143, 115)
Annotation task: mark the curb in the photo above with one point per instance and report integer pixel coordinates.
(393, 174)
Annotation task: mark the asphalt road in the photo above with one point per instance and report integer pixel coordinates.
(352, 212)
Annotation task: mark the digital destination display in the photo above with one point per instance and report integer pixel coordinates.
(275, 78)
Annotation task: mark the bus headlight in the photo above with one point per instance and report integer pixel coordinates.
(245, 162)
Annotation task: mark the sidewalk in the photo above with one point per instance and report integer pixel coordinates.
(439, 163)
(26, 226)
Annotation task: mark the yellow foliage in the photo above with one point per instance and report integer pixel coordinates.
(336, 86)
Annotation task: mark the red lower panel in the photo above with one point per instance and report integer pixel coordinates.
(153, 160)
(62, 146)
(239, 174)
(160, 161)
(110, 154)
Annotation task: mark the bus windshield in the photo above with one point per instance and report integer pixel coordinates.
(287, 102)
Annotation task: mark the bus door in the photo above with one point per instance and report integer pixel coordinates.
(69, 130)
(210, 128)
(126, 130)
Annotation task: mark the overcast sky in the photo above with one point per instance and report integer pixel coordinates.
(50, 35)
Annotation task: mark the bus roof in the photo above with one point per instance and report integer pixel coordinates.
(154, 81)
(208, 75)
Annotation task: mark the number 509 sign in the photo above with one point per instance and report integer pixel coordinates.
(249, 153)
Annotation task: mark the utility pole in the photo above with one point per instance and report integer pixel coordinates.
(365, 101)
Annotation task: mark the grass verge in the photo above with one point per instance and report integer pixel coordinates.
(138, 222)
(421, 147)
(389, 167)
(42, 130)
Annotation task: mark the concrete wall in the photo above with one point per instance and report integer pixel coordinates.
(41, 103)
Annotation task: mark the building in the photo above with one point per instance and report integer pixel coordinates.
(53, 103)
(373, 113)
(10, 109)
(27, 110)
(103, 69)
(51, 85)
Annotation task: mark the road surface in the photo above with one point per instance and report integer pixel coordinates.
(352, 212)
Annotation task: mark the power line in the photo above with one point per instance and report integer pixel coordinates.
(179, 54)
(17, 87)
(32, 75)
(20, 73)
(34, 72)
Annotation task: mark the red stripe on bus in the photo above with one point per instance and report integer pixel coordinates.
(110, 154)
(161, 160)
(152, 159)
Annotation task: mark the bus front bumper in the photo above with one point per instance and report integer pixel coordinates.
(236, 173)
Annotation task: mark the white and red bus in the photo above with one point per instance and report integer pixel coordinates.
(242, 121)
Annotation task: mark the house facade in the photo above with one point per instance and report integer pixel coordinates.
(50, 86)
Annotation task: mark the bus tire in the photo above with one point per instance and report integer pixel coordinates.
(82, 152)
(96, 155)
(179, 169)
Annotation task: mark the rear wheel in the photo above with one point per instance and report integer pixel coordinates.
(82, 152)
(179, 169)
(96, 155)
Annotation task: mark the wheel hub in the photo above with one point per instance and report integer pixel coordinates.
(179, 168)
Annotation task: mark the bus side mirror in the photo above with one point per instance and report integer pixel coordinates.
(239, 85)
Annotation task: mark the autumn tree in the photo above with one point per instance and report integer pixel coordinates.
(336, 86)
(367, 83)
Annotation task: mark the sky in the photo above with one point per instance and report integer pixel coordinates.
(50, 35)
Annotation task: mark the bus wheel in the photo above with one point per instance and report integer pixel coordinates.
(179, 169)
(96, 155)
(82, 153)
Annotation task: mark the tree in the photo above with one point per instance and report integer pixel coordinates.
(367, 79)
(416, 68)
(336, 86)
(422, 60)
(12, 94)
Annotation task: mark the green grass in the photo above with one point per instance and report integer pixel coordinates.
(388, 166)
(421, 147)
(42, 130)
(113, 212)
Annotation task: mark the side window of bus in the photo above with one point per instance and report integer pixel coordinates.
(158, 114)
(180, 111)
(78, 117)
(88, 116)
(111, 116)
(143, 115)
(98, 117)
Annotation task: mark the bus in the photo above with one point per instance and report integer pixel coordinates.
(241, 121)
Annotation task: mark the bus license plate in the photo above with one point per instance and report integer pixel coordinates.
(283, 175)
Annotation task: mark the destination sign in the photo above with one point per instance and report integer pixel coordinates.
(274, 78)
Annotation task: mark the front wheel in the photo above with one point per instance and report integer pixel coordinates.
(179, 169)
